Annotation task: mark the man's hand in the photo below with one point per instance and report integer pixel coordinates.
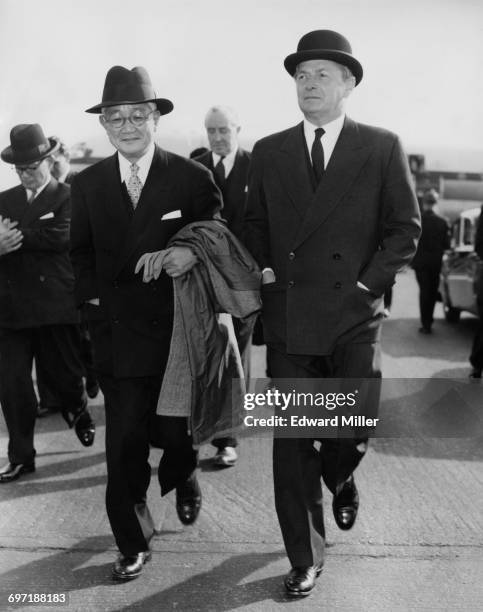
(10, 240)
(153, 264)
(6, 224)
(178, 261)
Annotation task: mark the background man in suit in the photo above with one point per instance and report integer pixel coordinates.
(229, 164)
(123, 207)
(48, 402)
(331, 217)
(435, 239)
(38, 317)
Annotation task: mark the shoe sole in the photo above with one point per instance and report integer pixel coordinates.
(125, 578)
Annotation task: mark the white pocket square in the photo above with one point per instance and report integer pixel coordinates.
(174, 214)
(49, 215)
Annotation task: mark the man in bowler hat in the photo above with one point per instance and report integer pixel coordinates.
(229, 164)
(38, 316)
(123, 207)
(331, 218)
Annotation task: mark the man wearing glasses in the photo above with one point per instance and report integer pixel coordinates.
(38, 316)
(123, 207)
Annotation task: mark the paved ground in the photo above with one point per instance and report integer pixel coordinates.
(417, 544)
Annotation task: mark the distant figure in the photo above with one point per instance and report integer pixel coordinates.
(476, 357)
(229, 164)
(198, 151)
(435, 239)
(61, 169)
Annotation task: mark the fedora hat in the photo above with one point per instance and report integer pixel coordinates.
(124, 86)
(28, 144)
(324, 44)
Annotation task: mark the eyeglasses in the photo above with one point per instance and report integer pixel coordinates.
(21, 169)
(137, 119)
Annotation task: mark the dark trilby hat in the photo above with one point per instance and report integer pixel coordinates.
(124, 86)
(28, 144)
(324, 44)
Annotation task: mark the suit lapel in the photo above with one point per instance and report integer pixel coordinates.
(152, 196)
(293, 171)
(346, 162)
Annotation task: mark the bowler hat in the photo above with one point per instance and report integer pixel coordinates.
(123, 86)
(324, 44)
(28, 144)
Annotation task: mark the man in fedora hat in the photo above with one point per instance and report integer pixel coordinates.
(331, 218)
(123, 207)
(38, 316)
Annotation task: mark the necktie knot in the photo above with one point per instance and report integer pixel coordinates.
(319, 132)
(134, 185)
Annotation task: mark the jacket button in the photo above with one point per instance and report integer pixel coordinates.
(115, 320)
(41, 278)
(115, 284)
(336, 256)
(338, 285)
(290, 284)
(291, 256)
(155, 322)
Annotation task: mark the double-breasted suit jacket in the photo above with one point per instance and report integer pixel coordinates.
(37, 281)
(234, 190)
(131, 327)
(361, 223)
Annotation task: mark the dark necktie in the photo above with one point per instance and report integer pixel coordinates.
(220, 173)
(317, 154)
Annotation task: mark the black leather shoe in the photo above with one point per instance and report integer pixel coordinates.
(475, 373)
(188, 501)
(425, 330)
(13, 471)
(83, 424)
(345, 504)
(130, 566)
(300, 581)
(92, 387)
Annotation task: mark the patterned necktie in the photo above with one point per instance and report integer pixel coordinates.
(134, 185)
(317, 154)
(220, 173)
(31, 197)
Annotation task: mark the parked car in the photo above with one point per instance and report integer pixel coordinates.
(461, 269)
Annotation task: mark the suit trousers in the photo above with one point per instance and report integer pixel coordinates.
(428, 281)
(299, 464)
(476, 356)
(58, 348)
(131, 426)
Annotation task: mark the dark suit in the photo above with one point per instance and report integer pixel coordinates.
(234, 189)
(435, 239)
(38, 316)
(131, 328)
(361, 223)
(234, 192)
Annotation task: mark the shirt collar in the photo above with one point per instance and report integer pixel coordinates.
(331, 129)
(144, 163)
(228, 160)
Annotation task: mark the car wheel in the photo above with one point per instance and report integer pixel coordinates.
(452, 315)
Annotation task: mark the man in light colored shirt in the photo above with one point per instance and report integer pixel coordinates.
(331, 218)
(229, 164)
(123, 207)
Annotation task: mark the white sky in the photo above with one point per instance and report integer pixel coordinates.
(421, 59)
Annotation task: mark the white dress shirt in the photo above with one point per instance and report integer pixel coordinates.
(228, 161)
(332, 131)
(144, 163)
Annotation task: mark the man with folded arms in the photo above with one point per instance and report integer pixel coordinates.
(331, 218)
(127, 205)
(38, 316)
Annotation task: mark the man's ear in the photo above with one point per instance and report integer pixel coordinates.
(102, 121)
